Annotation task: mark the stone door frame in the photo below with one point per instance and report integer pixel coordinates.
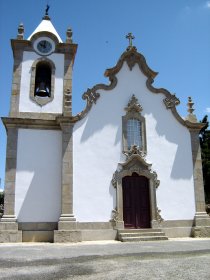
(135, 164)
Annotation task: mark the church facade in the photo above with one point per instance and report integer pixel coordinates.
(128, 163)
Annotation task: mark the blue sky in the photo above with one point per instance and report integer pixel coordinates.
(173, 35)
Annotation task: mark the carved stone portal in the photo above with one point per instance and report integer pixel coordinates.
(135, 164)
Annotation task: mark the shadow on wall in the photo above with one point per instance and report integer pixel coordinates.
(110, 109)
(38, 179)
(101, 115)
(168, 127)
(38, 204)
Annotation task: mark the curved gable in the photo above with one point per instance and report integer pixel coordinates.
(131, 57)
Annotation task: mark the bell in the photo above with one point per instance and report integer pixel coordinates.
(42, 90)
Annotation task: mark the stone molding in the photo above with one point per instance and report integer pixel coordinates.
(132, 57)
(10, 179)
(133, 111)
(41, 101)
(133, 105)
(91, 96)
(30, 123)
(135, 163)
(67, 221)
(159, 217)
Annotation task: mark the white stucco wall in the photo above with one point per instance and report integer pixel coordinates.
(97, 152)
(26, 104)
(38, 176)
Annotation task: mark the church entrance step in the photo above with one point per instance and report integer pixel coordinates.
(135, 235)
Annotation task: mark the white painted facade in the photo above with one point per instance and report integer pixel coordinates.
(28, 105)
(38, 176)
(97, 150)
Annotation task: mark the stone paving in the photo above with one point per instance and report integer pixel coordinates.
(173, 259)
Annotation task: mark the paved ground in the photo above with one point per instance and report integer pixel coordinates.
(173, 259)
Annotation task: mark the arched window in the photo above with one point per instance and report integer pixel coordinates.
(133, 127)
(134, 133)
(42, 81)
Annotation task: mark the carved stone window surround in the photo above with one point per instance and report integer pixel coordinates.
(133, 112)
(41, 101)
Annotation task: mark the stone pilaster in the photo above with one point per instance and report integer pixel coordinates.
(11, 161)
(67, 220)
(17, 68)
(8, 223)
(202, 220)
(67, 104)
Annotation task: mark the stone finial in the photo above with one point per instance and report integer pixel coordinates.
(130, 38)
(20, 32)
(133, 105)
(191, 117)
(190, 105)
(69, 34)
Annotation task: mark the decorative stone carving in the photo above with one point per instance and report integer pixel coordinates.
(69, 34)
(191, 117)
(159, 218)
(156, 181)
(114, 180)
(67, 103)
(91, 96)
(133, 105)
(171, 101)
(133, 111)
(135, 164)
(115, 215)
(134, 150)
(20, 35)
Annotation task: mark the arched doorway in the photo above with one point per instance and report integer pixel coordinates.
(136, 201)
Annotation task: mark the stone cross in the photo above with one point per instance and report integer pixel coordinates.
(130, 37)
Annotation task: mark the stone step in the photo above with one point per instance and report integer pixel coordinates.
(135, 235)
(143, 238)
(139, 230)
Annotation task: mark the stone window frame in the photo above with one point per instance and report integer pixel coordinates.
(41, 101)
(133, 111)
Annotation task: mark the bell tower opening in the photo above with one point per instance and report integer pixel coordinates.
(43, 80)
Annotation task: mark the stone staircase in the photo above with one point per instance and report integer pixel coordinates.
(136, 235)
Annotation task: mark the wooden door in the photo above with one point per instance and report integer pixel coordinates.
(136, 203)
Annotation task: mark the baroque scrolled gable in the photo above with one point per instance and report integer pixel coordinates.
(132, 57)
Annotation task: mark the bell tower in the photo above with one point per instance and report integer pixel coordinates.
(42, 71)
(38, 180)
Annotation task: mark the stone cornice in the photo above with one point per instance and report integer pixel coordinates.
(30, 123)
(27, 45)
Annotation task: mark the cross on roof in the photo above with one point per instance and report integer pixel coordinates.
(46, 10)
(130, 37)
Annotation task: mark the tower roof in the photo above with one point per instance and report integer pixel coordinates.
(46, 25)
